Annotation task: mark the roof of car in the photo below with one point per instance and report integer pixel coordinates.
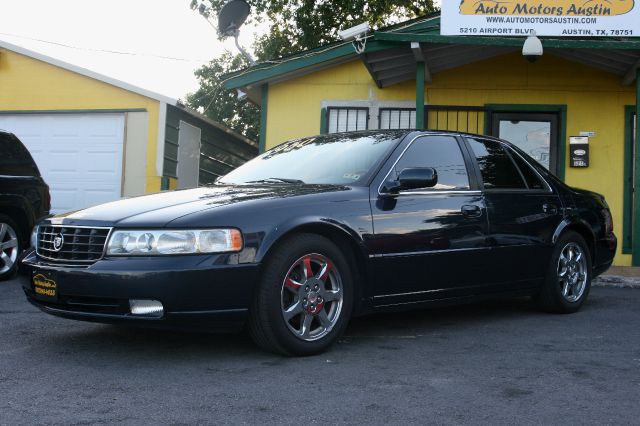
(409, 131)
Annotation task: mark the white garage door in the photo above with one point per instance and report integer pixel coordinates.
(79, 155)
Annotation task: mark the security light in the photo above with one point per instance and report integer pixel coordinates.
(532, 49)
(355, 33)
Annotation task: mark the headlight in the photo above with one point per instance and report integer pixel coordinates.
(34, 236)
(178, 241)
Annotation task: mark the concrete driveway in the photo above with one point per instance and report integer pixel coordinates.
(495, 363)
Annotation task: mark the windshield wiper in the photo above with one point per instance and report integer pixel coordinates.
(276, 179)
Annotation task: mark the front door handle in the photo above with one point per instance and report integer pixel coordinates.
(550, 208)
(469, 210)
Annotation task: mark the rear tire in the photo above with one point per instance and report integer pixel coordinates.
(10, 247)
(569, 276)
(305, 297)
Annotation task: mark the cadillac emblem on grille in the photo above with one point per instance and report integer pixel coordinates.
(58, 242)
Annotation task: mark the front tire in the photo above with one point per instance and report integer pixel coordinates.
(305, 297)
(9, 247)
(569, 276)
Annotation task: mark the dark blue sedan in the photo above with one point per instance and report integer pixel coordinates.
(296, 241)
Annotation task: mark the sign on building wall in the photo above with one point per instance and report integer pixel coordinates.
(569, 18)
(579, 147)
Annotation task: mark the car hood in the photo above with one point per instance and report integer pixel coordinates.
(164, 207)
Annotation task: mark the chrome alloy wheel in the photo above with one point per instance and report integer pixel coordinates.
(312, 297)
(8, 247)
(572, 272)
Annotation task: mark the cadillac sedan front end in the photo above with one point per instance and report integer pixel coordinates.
(107, 275)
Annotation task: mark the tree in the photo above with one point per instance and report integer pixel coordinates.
(295, 26)
(223, 105)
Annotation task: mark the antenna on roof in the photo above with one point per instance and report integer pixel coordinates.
(230, 19)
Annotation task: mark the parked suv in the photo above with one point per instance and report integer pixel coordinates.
(24, 199)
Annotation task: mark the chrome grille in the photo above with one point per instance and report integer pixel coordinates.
(80, 244)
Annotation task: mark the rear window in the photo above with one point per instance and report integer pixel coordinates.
(15, 160)
(496, 167)
(530, 176)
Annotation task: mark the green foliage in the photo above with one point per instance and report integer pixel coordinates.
(295, 26)
(223, 105)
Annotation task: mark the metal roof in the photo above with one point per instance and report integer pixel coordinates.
(391, 55)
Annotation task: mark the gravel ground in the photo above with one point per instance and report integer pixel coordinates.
(493, 363)
(617, 281)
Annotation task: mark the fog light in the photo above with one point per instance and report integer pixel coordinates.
(151, 308)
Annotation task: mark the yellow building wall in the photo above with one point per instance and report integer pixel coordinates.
(595, 101)
(27, 84)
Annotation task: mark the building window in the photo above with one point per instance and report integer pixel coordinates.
(347, 119)
(397, 118)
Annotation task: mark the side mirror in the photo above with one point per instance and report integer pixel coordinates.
(413, 178)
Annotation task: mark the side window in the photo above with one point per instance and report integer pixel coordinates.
(443, 154)
(530, 176)
(496, 167)
(15, 160)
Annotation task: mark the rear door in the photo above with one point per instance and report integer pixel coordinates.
(523, 213)
(430, 243)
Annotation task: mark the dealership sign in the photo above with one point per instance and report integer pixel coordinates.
(569, 18)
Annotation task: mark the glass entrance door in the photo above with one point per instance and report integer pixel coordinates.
(534, 133)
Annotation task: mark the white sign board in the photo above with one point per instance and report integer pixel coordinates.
(568, 18)
(578, 140)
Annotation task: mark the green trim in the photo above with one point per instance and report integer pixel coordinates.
(635, 260)
(264, 101)
(562, 134)
(504, 41)
(421, 29)
(420, 70)
(562, 149)
(627, 212)
(164, 183)
(71, 111)
(324, 125)
(305, 59)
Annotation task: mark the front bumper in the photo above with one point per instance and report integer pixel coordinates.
(197, 292)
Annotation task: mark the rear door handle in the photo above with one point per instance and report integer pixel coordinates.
(469, 210)
(550, 208)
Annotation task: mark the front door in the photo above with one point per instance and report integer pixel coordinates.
(534, 133)
(430, 243)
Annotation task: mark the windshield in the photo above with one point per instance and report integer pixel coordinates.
(344, 159)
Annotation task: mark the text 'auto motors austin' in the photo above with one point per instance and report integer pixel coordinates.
(296, 241)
